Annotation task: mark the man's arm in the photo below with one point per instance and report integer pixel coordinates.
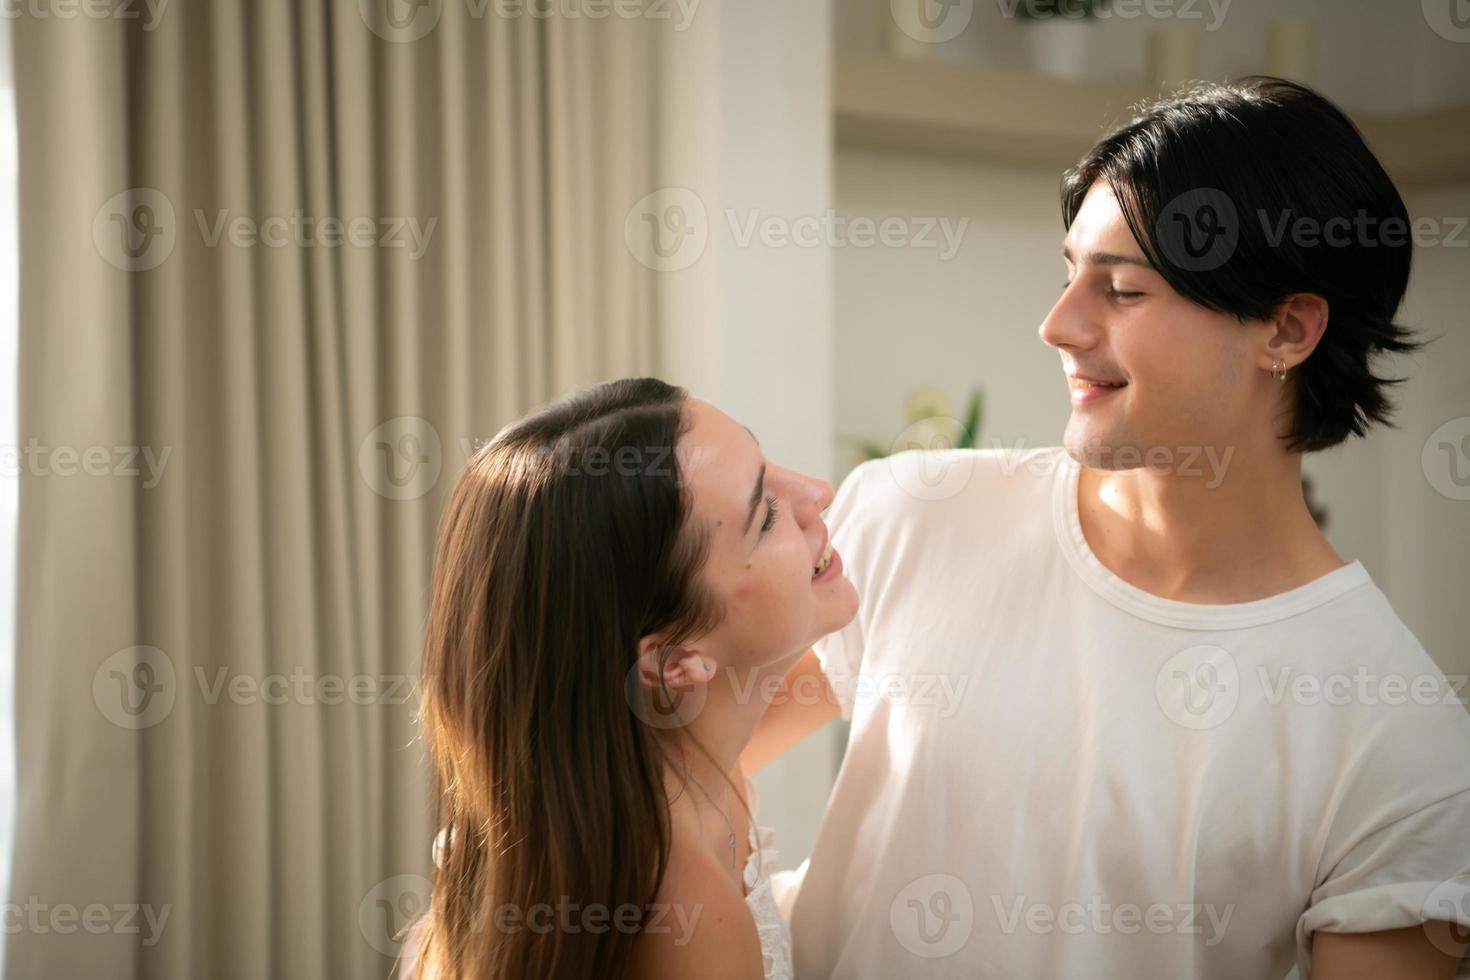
(1427, 952)
(803, 703)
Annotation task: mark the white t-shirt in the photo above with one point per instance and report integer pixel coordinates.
(1052, 773)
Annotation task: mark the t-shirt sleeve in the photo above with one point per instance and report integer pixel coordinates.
(841, 653)
(1400, 845)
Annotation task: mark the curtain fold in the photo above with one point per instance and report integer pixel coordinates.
(217, 657)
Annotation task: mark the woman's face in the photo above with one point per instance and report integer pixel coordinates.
(766, 543)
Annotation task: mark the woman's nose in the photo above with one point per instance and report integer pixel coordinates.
(818, 495)
(825, 492)
(809, 494)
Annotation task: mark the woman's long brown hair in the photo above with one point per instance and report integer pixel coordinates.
(566, 539)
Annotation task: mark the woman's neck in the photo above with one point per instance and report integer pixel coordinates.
(704, 777)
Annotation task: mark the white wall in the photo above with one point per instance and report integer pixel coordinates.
(750, 323)
(907, 318)
(1426, 534)
(1358, 43)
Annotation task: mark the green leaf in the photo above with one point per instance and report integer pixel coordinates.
(971, 435)
(869, 449)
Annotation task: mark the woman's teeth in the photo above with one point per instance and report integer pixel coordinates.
(826, 560)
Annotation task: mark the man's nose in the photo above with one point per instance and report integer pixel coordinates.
(1070, 323)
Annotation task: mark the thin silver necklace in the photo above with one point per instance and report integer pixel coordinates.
(734, 838)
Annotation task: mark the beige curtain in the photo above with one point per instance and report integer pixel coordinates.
(244, 417)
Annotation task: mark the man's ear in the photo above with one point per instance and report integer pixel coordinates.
(1299, 321)
(680, 666)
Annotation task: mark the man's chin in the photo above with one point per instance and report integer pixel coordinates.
(1100, 450)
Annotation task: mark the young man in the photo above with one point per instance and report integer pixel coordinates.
(1120, 710)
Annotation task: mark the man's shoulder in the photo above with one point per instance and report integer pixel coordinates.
(919, 479)
(1359, 626)
(931, 503)
(1354, 664)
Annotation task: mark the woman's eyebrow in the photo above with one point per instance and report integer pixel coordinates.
(760, 488)
(755, 497)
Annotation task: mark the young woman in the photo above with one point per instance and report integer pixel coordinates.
(619, 578)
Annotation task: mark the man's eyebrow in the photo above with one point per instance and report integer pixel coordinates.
(755, 497)
(1108, 258)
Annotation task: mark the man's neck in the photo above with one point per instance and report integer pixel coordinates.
(1234, 535)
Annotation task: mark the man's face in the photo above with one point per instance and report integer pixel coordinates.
(1147, 368)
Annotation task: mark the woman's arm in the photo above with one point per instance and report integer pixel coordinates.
(803, 703)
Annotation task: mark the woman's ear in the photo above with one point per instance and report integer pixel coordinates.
(680, 667)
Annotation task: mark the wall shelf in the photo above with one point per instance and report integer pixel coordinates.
(909, 105)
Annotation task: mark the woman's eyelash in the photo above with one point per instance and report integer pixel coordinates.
(770, 520)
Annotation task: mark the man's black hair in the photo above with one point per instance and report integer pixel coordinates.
(1241, 194)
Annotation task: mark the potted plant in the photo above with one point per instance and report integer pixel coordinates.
(1057, 34)
(931, 425)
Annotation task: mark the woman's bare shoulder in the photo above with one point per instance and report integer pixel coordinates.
(699, 924)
